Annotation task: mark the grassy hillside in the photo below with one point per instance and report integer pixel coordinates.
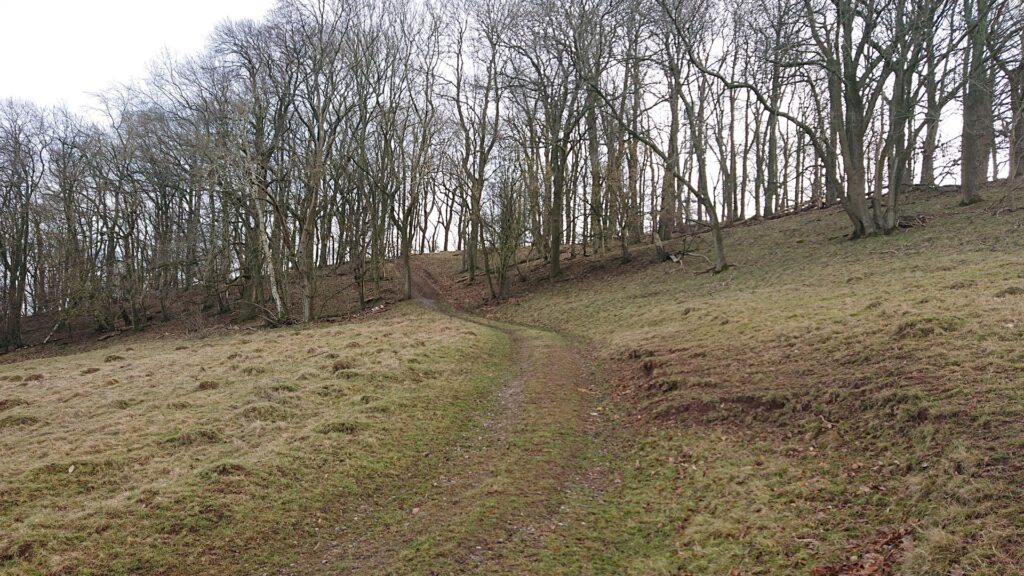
(825, 406)
(227, 454)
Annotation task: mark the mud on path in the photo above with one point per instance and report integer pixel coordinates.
(487, 504)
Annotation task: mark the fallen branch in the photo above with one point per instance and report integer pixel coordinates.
(53, 331)
(678, 257)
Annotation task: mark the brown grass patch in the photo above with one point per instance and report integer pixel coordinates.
(195, 437)
(14, 420)
(1010, 291)
(236, 471)
(341, 364)
(337, 428)
(208, 385)
(8, 403)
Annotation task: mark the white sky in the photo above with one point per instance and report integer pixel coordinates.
(59, 51)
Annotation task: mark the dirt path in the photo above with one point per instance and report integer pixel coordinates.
(485, 505)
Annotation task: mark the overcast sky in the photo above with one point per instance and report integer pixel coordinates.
(54, 51)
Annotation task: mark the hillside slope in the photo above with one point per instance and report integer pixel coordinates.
(232, 454)
(412, 441)
(825, 406)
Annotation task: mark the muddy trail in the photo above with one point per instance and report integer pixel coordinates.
(500, 493)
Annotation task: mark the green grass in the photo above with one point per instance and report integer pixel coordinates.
(819, 393)
(227, 454)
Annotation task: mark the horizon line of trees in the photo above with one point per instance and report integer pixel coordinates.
(350, 133)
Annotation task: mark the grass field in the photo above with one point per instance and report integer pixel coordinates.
(825, 406)
(227, 454)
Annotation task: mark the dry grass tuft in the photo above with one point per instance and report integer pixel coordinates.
(265, 412)
(194, 437)
(925, 327)
(1010, 291)
(222, 469)
(337, 428)
(208, 385)
(8, 403)
(341, 364)
(12, 420)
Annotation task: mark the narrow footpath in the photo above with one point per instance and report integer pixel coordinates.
(501, 490)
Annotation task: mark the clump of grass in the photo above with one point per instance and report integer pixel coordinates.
(12, 420)
(1010, 291)
(194, 437)
(284, 387)
(282, 393)
(208, 385)
(925, 327)
(14, 550)
(223, 469)
(337, 428)
(113, 358)
(341, 364)
(79, 477)
(89, 370)
(331, 390)
(377, 409)
(8, 403)
(265, 412)
(33, 377)
(253, 370)
(963, 284)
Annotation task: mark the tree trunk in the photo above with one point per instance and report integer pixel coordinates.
(977, 109)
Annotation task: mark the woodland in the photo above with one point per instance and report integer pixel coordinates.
(348, 136)
(507, 287)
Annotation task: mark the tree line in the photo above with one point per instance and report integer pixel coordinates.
(349, 134)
